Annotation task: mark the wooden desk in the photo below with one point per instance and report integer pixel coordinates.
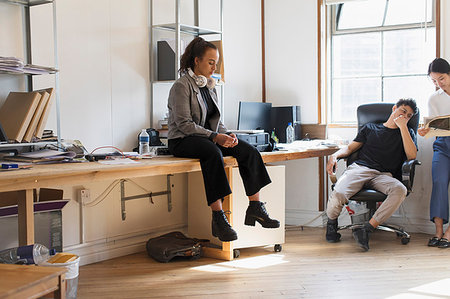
(78, 173)
(20, 281)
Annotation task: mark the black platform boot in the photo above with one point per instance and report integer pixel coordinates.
(332, 235)
(256, 211)
(221, 228)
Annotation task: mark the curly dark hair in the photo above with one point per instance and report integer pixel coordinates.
(196, 48)
(408, 102)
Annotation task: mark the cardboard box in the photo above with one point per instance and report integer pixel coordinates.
(47, 218)
(47, 230)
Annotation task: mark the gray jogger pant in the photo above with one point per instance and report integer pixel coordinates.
(354, 179)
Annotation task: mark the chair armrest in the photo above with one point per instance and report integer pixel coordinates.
(408, 170)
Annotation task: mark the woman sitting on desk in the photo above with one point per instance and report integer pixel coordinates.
(195, 131)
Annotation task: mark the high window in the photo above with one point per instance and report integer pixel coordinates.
(380, 51)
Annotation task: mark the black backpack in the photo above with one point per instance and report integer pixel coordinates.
(166, 247)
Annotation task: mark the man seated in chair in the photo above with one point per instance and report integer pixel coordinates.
(383, 149)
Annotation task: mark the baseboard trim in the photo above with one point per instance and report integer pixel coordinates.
(108, 248)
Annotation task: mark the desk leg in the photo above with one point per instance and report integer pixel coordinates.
(321, 184)
(60, 293)
(226, 252)
(26, 218)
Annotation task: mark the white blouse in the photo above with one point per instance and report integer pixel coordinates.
(439, 104)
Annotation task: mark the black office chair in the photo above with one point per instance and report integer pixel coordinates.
(379, 113)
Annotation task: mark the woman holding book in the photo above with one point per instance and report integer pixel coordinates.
(439, 105)
(195, 131)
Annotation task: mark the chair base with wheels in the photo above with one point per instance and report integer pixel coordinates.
(371, 198)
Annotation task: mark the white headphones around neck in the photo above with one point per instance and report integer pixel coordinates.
(201, 80)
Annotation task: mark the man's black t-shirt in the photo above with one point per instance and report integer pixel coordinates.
(382, 148)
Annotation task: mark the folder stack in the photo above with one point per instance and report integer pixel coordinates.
(24, 115)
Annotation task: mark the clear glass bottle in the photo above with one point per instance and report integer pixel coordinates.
(29, 254)
(144, 143)
(289, 133)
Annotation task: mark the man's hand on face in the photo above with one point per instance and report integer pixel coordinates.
(401, 121)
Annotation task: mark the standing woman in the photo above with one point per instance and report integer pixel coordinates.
(439, 105)
(195, 131)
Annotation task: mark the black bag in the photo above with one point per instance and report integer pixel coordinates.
(153, 139)
(166, 247)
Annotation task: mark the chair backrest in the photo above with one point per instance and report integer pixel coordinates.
(378, 113)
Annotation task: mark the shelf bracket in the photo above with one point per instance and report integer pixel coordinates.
(150, 195)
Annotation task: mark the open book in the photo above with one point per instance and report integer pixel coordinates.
(439, 125)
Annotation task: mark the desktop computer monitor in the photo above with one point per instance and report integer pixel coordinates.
(254, 116)
(281, 116)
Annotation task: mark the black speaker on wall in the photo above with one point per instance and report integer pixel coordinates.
(281, 116)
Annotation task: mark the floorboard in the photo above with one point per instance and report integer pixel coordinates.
(307, 267)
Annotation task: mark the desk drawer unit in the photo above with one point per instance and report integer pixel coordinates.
(199, 214)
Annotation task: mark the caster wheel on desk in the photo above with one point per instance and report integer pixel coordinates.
(405, 240)
(236, 253)
(277, 248)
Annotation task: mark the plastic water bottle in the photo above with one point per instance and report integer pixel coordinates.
(144, 141)
(29, 254)
(289, 133)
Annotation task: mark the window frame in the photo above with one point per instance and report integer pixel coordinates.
(333, 31)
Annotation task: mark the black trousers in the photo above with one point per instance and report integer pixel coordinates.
(251, 166)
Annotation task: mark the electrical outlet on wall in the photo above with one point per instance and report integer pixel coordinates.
(85, 196)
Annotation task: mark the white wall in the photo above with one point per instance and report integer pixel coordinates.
(291, 79)
(10, 28)
(445, 28)
(242, 51)
(291, 55)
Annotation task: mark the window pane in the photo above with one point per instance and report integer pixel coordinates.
(417, 87)
(408, 12)
(407, 52)
(361, 14)
(357, 54)
(348, 94)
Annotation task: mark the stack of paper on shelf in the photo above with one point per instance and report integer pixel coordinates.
(48, 136)
(11, 65)
(16, 65)
(16, 113)
(38, 70)
(24, 114)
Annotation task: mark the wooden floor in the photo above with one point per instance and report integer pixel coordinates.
(307, 267)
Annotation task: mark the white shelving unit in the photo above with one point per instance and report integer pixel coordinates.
(27, 6)
(178, 29)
